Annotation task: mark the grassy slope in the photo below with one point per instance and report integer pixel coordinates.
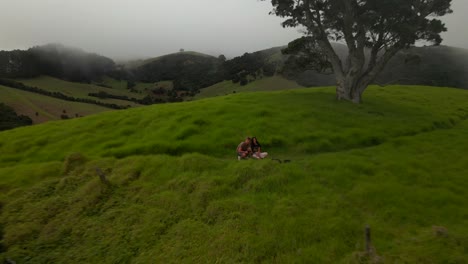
(48, 108)
(78, 90)
(122, 84)
(266, 84)
(139, 86)
(395, 163)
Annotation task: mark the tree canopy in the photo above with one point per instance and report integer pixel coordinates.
(382, 27)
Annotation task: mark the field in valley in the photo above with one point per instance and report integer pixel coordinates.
(274, 83)
(41, 108)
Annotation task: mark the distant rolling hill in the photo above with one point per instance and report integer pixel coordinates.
(186, 75)
(137, 63)
(436, 66)
(58, 98)
(189, 71)
(55, 60)
(274, 83)
(80, 90)
(41, 108)
(432, 65)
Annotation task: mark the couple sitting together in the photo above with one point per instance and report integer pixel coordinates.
(250, 148)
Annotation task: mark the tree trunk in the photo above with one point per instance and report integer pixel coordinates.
(350, 89)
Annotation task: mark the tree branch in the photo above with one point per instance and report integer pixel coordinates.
(321, 36)
(369, 76)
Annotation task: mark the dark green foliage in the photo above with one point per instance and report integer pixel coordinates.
(251, 65)
(243, 81)
(269, 69)
(222, 58)
(305, 55)
(131, 84)
(189, 72)
(9, 119)
(18, 63)
(247, 64)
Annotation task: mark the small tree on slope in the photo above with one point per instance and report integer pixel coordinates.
(376, 29)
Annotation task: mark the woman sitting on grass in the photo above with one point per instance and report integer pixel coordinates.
(257, 149)
(243, 150)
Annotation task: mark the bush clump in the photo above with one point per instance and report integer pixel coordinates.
(72, 162)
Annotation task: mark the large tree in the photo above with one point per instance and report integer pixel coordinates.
(373, 30)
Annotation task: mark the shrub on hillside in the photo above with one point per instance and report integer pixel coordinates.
(72, 162)
(9, 119)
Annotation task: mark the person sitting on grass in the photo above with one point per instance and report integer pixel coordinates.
(244, 150)
(257, 149)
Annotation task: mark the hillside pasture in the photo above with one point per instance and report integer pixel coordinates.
(161, 184)
(47, 108)
(80, 90)
(274, 83)
(122, 84)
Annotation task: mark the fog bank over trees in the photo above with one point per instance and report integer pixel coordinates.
(123, 29)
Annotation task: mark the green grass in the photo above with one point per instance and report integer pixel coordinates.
(48, 108)
(178, 195)
(274, 83)
(79, 90)
(122, 84)
(115, 84)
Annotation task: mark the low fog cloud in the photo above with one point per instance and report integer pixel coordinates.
(124, 29)
(457, 25)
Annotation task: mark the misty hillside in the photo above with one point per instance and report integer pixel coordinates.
(55, 60)
(191, 71)
(432, 65)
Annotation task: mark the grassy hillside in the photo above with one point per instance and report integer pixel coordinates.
(174, 192)
(50, 108)
(78, 90)
(122, 84)
(274, 83)
(47, 108)
(139, 86)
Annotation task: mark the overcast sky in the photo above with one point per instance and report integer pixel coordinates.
(124, 29)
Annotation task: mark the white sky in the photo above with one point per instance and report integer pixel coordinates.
(124, 29)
